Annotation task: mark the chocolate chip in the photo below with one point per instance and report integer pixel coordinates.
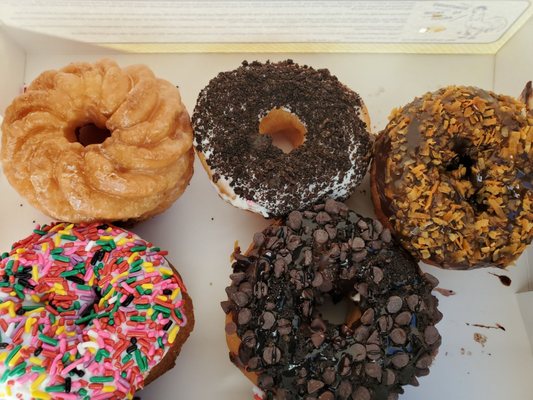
(398, 336)
(393, 396)
(344, 365)
(240, 298)
(358, 351)
(362, 224)
(294, 220)
(332, 207)
(377, 274)
(368, 317)
(244, 316)
(279, 267)
(359, 256)
(237, 277)
(434, 282)
(284, 326)
(318, 325)
(271, 355)
(361, 393)
(265, 381)
(373, 370)
(400, 360)
(293, 242)
(326, 396)
(227, 306)
(344, 390)
(317, 339)
(374, 338)
(358, 244)
(431, 335)
(412, 302)
(268, 320)
(253, 363)
(385, 323)
(318, 280)
(362, 289)
(322, 218)
(424, 362)
(320, 236)
(308, 257)
(329, 375)
(314, 385)
(386, 236)
(361, 334)
(403, 318)
(231, 328)
(389, 377)
(332, 232)
(259, 239)
(414, 381)
(394, 304)
(422, 372)
(260, 290)
(248, 339)
(373, 351)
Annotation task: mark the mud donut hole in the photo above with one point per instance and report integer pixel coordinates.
(342, 311)
(285, 129)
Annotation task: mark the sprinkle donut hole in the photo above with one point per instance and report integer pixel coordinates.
(285, 129)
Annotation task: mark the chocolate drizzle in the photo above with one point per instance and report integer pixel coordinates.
(332, 160)
(308, 258)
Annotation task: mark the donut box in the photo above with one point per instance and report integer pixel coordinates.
(487, 321)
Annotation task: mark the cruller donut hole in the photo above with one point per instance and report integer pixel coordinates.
(285, 129)
(91, 134)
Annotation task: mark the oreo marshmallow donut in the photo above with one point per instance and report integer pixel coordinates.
(275, 329)
(242, 113)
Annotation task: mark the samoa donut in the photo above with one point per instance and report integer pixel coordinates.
(278, 336)
(241, 112)
(88, 312)
(453, 177)
(94, 142)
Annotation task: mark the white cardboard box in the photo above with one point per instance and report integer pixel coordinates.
(200, 229)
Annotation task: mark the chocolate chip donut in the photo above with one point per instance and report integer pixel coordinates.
(453, 177)
(241, 112)
(275, 329)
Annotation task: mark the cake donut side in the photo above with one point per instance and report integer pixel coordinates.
(241, 112)
(96, 142)
(88, 312)
(452, 177)
(275, 329)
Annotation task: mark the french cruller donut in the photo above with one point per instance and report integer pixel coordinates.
(95, 142)
(279, 338)
(242, 113)
(453, 177)
(87, 312)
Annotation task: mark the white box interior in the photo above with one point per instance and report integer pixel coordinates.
(200, 229)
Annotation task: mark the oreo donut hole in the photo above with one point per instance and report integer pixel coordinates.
(277, 333)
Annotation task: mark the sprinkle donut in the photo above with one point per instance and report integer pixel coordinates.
(88, 312)
(241, 112)
(280, 339)
(453, 177)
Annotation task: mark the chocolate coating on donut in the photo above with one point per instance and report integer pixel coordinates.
(453, 176)
(295, 266)
(330, 163)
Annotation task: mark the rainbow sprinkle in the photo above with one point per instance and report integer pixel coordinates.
(85, 312)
